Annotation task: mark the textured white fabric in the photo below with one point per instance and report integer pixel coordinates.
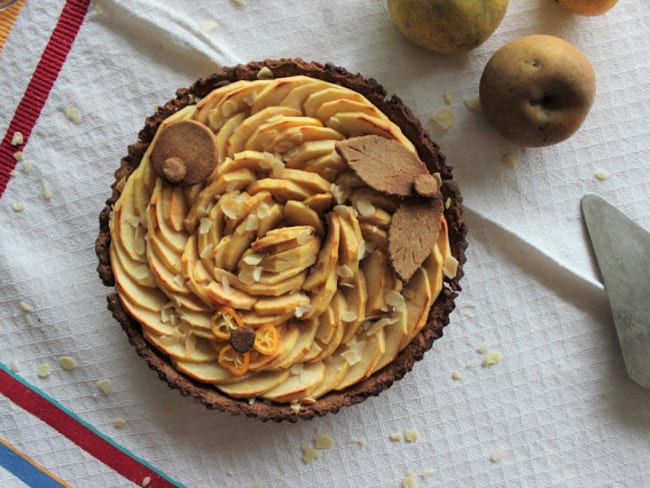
(559, 403)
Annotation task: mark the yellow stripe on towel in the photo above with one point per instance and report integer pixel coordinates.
(7, 19)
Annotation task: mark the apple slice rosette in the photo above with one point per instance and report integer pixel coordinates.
(272, 278)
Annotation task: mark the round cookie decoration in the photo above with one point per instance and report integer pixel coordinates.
(185, 153)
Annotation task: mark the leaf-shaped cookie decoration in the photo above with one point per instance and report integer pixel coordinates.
(383, 164)
(412, 234)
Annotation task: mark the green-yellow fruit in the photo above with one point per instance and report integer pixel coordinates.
(447, 26)
(586, 7)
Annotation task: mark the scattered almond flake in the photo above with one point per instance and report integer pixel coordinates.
(438, 178)
(304, 237)
(19, 155)
(482, 349)
(226, 285)
(349, 316)
(257, 274)
(13, 366)
(19, 206)
(380, 324)
(323, 441)
(230, 473)
(340, 195)
(344, 271)
(302, 310)
(448, 203)
(309, 454)
(45, 191)
(411, 435)
(444, 117)
(43, 370)
(119, 423)
(73, 114)
(17, 139)
(145, 481)
(253, 259)
(358, 441)
(230, 208)
(251, 401)
(27, 166)
(206, 252)
(473, 103)
(205, 224)
(296, 135)
(455, 375)
(409, 481)
(491, 359)
(68, 363)
(297, 369)
(470, 365)
(468, 314)
(263, 211)
(395, 437)
(13, 173)
(252, 222)
(450, 267)
(295, 406)
(351, 357)
(395, 300)
(362, 251)
(448, 98)
(105, 386)
(179, 280)
(426, 474)
(26, 307)
(99, 8)
(602, 175)
(365, 208)
(256, 485)
(497, 455)
(241, 3)
(508, 160)
(208, 25)
(29, 319)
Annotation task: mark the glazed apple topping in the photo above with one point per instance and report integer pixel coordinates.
(271, 276)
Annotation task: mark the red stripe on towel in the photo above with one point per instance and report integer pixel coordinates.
(38, 89)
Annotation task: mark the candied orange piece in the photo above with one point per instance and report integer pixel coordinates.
(224, 320)
(236, 363)
(266, 340)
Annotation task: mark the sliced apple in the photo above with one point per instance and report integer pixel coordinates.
(332, 93)
(208, 102)
(225, 132)
(255, 384)
(295, 387)
(320, 202)
(328, 255)
(237, 141)
(280, 305)
(362, 356)
(298, 258)
(330, 109)
(265, 137)
(205, 372)
(199, 351)
(300, 155)
(335, 369)
(282, 238)
(275, 91)
(418, 300)
(297, 213)
(311, 182)
(296, 98)
(300, 349)
(328, 166)
(235, 101)
(282, 190)
(356, 296)
(229, 297)
(353, 124)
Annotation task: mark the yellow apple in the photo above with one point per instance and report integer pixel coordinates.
(447, 26)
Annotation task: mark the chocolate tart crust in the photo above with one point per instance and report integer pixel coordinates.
(438, 317)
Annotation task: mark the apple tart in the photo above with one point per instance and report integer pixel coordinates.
(283, 239)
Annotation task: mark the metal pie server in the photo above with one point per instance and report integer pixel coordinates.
(622, 250)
